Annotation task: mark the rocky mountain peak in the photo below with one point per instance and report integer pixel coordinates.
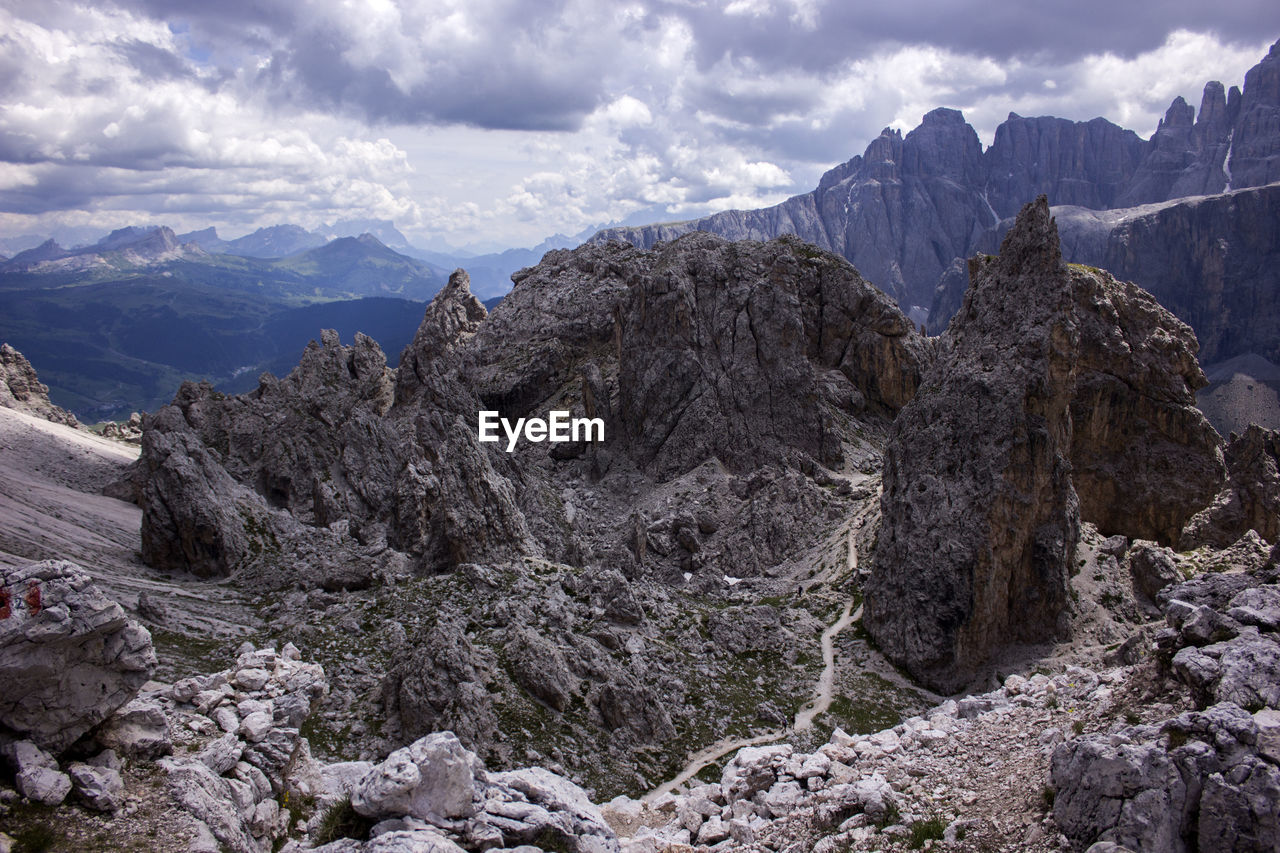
(1179, 114)
(1031, 248)
(453, 316)
(1051, 377)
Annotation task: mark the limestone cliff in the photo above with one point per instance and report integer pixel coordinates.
(907, 206)
(1060, 395)
(21, 389)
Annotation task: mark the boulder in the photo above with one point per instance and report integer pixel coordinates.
(100, 788)
(138, 730)
(432, 778)
(1152, 568)
(69, 656)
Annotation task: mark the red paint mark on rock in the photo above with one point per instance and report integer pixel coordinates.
(33, 598)
(5, 610)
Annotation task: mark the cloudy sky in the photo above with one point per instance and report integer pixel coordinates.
(504, 121)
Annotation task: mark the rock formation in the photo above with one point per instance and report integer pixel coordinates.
(227, 480)
(1250, 499)
(21, 389)
(980, 519)
(1205, 780)
(724, 351)
(907, 206)
(1212, 261)
(749, 355)
(69, 656)
(1255, 148)
(1144, 459)
(1049, 376)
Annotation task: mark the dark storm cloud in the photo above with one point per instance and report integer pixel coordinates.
(503, 94)
(1058, 32)
(532, 68)
(544, 66)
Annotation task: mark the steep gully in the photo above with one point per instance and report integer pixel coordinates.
(824, 688)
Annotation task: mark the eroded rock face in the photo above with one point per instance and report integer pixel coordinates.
(1197, 782)
(69, 656)
(980, 520)
(342, 453)
(702, 351)
(1144, 458)
(1061, 395)
(1250, 499)
(21, 389)
(721, 347)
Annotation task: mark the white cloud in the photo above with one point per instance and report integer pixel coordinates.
(501, 120)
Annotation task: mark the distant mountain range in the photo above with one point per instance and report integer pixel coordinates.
(1188, 214)
(116, 326)
(490, 272)
(904, 210)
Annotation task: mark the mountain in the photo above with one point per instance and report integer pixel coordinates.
(491, 273)
(905, 208)
(274, 242)
(116, 326)
(1214, 261)
(366, 267)
(361, 626)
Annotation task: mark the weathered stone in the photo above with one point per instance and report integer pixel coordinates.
(45, 785)
(69, 656)
(1130, 794)
(21, 389)
(212, 799)
(1029, 422)
(100, 788)
(1250, 499)
(721, 345)
(1152, 568)
(431, 778)
(138, 730)
(980, 518)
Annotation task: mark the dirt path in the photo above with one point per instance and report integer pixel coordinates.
(823, 691)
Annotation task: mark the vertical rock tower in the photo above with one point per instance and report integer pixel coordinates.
(1060, 395)
(980, 516)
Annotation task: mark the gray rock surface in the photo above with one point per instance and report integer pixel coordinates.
(432, 778)
(1208, 259)
(1195, 783)
(943, 190)
(138, 729)
(69, 656)
(21, 389)
(723, 347)
(1249, 500)
(1029, 422)
(100, 788)
(236, 787)
(1255, 148)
